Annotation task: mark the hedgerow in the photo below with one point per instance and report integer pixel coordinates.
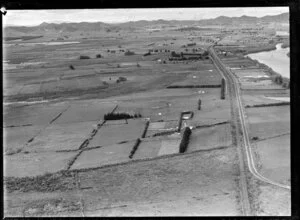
(145, 129)
(135, 147)
(120, 115)
(185, 140)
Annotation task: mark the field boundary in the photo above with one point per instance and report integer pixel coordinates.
(151, 159)
(268, 105)
(243, 191)
(86, 142)
(193, 86)
(38, 133)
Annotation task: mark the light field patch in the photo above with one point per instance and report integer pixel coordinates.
(108, 134)
(82, 111)
(170, 146)
(58, 137)
(15, 138)
(31, 88)
(274, 158)
(111, 154)
(33, 164)
(210, 137)
(268, 121)
(147, 149)
(35, 114)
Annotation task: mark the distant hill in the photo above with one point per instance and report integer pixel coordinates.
(85, 27)
(281, 18)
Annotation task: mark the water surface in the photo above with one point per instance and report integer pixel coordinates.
(275, 59)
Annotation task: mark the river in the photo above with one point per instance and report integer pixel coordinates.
(275, 59)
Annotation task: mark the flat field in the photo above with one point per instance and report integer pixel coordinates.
(268, 121)
(211, 137)
(63, 159)
(34, 164)
(110, 154)
(274, 158)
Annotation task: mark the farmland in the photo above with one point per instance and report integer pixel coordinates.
(64, 156)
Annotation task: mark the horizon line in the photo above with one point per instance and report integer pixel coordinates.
(62, 22)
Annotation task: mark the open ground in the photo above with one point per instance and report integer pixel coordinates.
(63, 158)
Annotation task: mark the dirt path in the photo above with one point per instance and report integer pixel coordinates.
(236, 132)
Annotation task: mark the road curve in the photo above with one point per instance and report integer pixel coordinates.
(232, 81)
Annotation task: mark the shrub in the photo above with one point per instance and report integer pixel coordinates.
(129, 53)
(71, 67)
(138, 65)
(98, 56)
(147, 54)
(84, 57)
(185, 140)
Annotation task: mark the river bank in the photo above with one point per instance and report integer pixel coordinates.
(260, 49)
(276, 77)
(275, 59)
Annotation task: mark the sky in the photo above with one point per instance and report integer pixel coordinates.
(36, 17)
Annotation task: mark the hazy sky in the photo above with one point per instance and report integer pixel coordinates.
(36, 17)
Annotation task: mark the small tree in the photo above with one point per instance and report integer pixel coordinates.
(98, 56)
